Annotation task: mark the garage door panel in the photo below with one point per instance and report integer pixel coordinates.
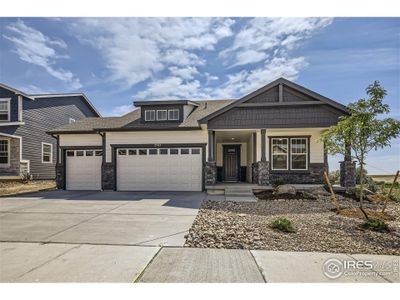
(166, 172)
(83, 172)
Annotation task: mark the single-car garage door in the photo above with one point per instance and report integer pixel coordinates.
(162, 169)
(83, 169)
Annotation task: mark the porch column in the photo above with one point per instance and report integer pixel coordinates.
(254, 147)
(210, 168)
(211, 145)
(261, 168)
(263, 145)
(348, 170)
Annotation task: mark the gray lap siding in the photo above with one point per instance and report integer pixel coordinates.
(14, 103)
(40, 116)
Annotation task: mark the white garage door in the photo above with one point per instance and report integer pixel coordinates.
(164, 169)
(83, 169)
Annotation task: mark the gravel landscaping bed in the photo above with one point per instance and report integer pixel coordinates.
(224, 224)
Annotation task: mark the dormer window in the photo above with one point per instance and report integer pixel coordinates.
(161, 115)
(173, 114)
(150, 115)
(4, 110)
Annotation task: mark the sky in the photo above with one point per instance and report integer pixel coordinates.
(116, 61)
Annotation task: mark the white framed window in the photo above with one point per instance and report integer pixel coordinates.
(279, 154)
(173, 114)
(71, 120)
(161, 115)
(47, 153)
(4, 152)
(150, 115)
(298, 153)
(5, 109)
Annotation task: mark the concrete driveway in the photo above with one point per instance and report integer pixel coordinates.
(107, 218)
(89, 236)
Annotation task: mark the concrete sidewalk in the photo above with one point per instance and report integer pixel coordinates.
(233, 265)
(60, 262)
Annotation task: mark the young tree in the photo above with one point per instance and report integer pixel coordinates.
(363, 130)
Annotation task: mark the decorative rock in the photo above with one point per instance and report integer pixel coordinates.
(285, 189)
(319, 191)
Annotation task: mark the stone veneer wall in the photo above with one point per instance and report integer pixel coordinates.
(108, 176)
(60, 176)
(314, 176)
(261, 173)
(210, 173)
(348, 173)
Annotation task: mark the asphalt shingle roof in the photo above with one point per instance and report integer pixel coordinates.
(131, 121)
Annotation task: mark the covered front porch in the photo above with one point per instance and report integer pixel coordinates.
(264, 157)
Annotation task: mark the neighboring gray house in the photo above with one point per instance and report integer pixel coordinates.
(24, 121)
(269, 134)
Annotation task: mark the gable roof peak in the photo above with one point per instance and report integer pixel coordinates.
(272, 84)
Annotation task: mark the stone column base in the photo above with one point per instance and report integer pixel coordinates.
(210, 173)
(60, 176)
(261, 172)
(347, 174)
(108, 177)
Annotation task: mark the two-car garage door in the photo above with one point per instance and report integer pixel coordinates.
(161, 169)
(138, 169)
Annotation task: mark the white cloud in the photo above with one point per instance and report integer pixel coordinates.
(249, 56)
(135, 49)
(34, 47)
(172, 88)
(176, 58)
(181, 57)
(243, 82)
(185, 73)
(270, 35)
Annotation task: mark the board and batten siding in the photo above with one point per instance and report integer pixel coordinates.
(154, 137)
(275, 117)
(40, 116)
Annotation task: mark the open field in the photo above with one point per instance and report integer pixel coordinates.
(385, 178)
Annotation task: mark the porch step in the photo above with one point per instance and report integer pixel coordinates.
(239, 191)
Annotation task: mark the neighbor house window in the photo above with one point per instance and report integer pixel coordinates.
(173, 114)
(279, 154)
(4, 109)
(47, 153)
(4, 152)
(161, 115)
(298, 153)
(149, 115)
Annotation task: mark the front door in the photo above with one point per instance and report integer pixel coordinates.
(231, 162)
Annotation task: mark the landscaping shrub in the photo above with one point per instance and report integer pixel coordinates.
(278, 181)
(334, 177)
(282, 224)
(26, 177)
(375, 225)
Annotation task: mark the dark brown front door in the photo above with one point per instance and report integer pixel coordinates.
(231, 162)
